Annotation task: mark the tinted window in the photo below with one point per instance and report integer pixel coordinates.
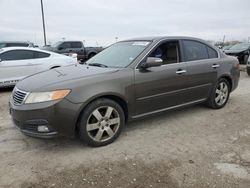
(76, 44)
(167, 51)
(212, 53)
(194, 50)
(17, 55)
(41, 54)
(18, 44)
(65, 45)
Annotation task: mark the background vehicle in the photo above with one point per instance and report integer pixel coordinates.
(241, 51)
(68, 47)
(226, 47)
(5, 44)
(19, 62)
(129, 80)
(248, 66)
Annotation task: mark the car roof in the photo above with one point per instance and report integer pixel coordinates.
(23, 48)
(158, 38)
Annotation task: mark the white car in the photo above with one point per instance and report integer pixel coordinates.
(17, 63)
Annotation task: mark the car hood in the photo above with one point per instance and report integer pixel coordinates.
(39, 81)
(233, 51)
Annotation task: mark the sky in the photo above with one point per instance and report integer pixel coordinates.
(99, 22)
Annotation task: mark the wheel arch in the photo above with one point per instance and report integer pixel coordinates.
(229, 79)
(112, 96)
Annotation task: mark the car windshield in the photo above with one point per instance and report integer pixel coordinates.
(2, 45)
(119, 55)
(241, 46)
(56, 44)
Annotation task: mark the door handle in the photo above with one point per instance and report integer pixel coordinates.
(215, 66)
(181, 71)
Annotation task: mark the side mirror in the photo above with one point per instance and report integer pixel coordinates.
(151, 62)
(60, 48)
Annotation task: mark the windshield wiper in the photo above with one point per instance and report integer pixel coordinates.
(98, 65)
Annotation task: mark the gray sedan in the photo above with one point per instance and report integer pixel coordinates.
(129, 80)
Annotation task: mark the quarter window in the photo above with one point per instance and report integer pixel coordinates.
(194, 50)
(41, 55)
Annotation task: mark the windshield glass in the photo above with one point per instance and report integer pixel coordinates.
(56, 44)
(2, 45)
(241, 46)
(119, 55)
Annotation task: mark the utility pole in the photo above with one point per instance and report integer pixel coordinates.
(224, 39)
(44, 32)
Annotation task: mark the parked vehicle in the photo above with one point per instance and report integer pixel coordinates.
(5, 44)
(248, 66)
(68, 47)
(129, 80)
(226, 47)
(241, 51)
(19, 62)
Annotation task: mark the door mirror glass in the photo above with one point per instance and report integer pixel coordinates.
(152, 62)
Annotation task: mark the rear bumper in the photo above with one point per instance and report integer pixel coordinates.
(60, 117)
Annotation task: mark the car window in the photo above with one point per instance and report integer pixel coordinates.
(41, 54)
(168, 52)
(2, 45)
(194, 50)
(17, 44)
(76, 44)
(212, 53)
(17, 55)
(65, 45)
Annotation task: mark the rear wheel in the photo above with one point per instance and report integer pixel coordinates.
(101, 122)
(219, 95)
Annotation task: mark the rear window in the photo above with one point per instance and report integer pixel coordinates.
(17, 44)
(212, 53)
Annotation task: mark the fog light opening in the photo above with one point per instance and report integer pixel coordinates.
(42, 129)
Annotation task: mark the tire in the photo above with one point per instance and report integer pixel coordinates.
(220, 94)
(248, 71)
(55, 67)
(245, 59)
(101, 122)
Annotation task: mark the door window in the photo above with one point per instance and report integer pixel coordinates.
(17, 55)
(65, 45)
(76, 44)
(194, 50)
(168, 52)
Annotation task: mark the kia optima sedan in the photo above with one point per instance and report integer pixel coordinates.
(18, 62)
(129, 80)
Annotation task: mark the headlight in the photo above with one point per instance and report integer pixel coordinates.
(46, 96)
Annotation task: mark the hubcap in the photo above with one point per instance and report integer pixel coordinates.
(221, 94)
(103, 123)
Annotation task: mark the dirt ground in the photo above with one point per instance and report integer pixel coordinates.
(193, 147)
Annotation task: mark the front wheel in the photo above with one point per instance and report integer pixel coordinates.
(248, 71)
(101, 122)
(219, 95)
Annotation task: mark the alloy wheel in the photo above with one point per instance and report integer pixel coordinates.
(221, 93)
(103, 123)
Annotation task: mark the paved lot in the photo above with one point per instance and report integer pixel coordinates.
(193, 147)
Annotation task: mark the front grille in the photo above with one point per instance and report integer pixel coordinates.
(19, 96)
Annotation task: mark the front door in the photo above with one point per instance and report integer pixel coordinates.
(160, 88)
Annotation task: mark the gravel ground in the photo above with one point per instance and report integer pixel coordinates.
(193, 147)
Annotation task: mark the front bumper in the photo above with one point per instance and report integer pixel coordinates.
(60, 117)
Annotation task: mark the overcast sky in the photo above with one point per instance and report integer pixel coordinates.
(100, 21)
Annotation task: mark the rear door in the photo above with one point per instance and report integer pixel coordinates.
(15, 65)
(159, 88)
(202, 65)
